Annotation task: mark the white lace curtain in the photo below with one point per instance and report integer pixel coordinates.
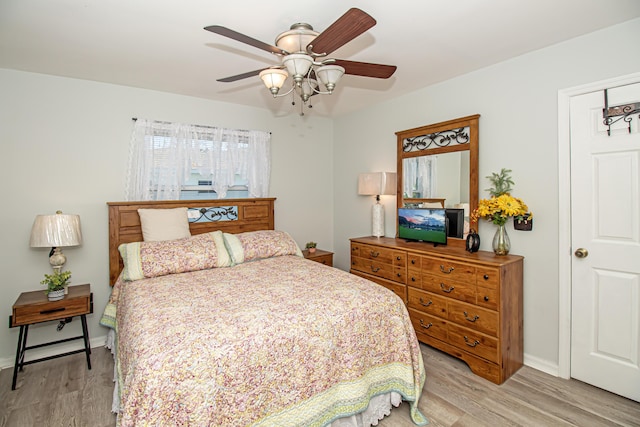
(420, 177)
(162, 157)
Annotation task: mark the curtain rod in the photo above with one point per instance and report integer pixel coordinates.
(203, 126)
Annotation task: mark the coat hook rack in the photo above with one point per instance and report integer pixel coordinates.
(620, 112)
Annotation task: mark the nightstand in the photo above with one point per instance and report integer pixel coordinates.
(34, 307)
(323, 257)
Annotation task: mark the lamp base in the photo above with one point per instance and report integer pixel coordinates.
(377, 220)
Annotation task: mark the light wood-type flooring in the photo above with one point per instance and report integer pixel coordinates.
(63, 392)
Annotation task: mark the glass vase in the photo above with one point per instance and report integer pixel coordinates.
(501, 243)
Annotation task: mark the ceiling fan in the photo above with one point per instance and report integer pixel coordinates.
(304, 52)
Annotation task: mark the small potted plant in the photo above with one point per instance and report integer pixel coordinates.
(56, 284)
(311, 247)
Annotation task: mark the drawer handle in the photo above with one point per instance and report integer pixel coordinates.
(398, 258)
(470, 319)
(485, 277)
(53, 310)
(486, 298)
(375, 254)
(426, 326)
(413, 261)
(375, 269)
(425, 304)
(413, 279)
(445, 289)
(446, 270)
(471, 344)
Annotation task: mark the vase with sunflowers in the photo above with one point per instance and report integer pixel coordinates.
(500, 207)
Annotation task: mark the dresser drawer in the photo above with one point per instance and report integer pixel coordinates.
(414, 277)
(428, 325)
(380, 269)
(414, 261)
(427, 302)
(473, 317)
(488, 298)
(382, 255)
(449, 270)
(473, 342)
(397, 288)
(462, 291)
(488, 277)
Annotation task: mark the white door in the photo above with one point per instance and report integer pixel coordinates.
(605, 234)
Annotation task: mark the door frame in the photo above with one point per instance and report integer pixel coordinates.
(564, 211)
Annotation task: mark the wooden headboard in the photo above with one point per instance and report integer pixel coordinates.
(124, 222)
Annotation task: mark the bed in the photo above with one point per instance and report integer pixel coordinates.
(231, 326)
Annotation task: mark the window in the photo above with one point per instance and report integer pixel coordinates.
(171, 161)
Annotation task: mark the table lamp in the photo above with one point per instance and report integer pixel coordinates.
(55, 232)
(377, 184)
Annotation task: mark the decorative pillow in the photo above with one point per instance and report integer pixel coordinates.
(152, 259)
(164, 224)
(253, 245)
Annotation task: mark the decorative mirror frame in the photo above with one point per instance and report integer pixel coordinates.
(438, 138)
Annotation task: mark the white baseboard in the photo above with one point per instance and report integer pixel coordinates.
(53, 350)
(542, 365)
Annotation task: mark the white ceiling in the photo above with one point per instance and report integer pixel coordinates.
(161, 44)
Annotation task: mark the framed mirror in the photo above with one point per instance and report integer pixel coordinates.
(438, 166)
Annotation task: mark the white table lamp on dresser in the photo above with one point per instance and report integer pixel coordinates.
(377, 184)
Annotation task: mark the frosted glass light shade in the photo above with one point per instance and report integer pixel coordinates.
(329, 75)
(57, 230)
(298, 65)
(297, 39)
(308, 88)
(273, 79)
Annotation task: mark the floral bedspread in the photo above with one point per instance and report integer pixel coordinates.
(282, 341)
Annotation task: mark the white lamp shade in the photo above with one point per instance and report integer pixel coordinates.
(329, 75)
(273, 78)
(298, 64)
(57, 230)
(377, 183)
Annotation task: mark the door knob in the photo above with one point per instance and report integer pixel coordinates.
(581, 253)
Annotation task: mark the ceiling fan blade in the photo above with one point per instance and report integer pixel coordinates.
(224, 31)
(349, 26)
(240, 76)
(366, 69)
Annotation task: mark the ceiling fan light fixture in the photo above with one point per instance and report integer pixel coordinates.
(298, 65)
(329, 75)
(297, 38)
(308, 88)
(273, 79)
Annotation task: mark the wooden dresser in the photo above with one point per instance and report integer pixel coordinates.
(468, 305)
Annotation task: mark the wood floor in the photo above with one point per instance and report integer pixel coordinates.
(63, 392)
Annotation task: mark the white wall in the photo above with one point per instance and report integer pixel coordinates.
(517, 101)
(64, 146)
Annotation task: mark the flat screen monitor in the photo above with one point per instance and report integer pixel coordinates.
(423, 225)
(455, 223)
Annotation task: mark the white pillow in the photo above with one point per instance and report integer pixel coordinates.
(164, 224)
